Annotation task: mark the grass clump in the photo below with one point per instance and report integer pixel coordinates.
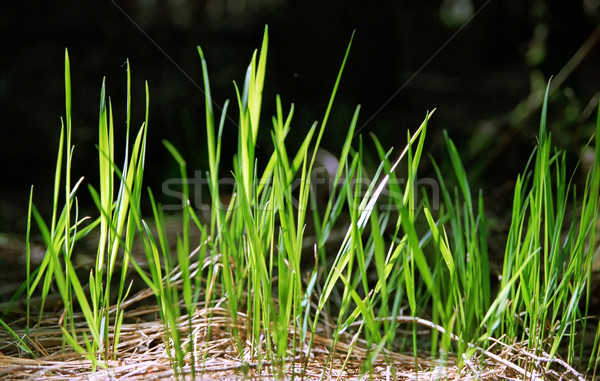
(406, 292)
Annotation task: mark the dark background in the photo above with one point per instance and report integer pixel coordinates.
(478, 82)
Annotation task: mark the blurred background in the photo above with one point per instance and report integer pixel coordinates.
(482, 65)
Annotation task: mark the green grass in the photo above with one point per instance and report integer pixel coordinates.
(405, 262)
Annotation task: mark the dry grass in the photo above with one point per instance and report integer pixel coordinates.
(141, 353)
